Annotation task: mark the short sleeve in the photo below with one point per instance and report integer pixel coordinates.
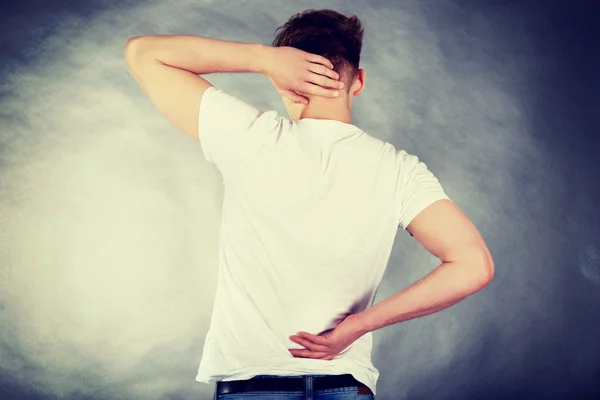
(417, 189)
(224, 123)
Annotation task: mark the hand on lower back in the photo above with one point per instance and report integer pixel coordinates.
(326, 347)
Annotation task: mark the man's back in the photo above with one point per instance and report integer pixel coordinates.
(311, 209)
(310, 213)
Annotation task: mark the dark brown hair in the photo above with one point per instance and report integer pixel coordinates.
(328, 34)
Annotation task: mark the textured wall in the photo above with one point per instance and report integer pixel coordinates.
(109, 216)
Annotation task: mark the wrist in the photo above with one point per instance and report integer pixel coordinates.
(360, 323)
(264, 59)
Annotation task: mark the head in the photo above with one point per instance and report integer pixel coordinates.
(335, 37)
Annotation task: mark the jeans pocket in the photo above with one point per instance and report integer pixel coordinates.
(346, 393)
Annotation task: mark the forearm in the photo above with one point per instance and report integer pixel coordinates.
(198, 54)
(445, 286)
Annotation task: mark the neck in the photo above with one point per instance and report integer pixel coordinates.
(326, 108)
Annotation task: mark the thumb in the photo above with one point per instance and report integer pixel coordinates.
(294, 97)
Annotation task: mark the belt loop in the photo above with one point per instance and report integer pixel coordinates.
(308, 387)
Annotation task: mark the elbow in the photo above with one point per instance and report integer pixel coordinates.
(482, 267)
(488, 274)
(485, 270)
(134, 49)
(131, 49)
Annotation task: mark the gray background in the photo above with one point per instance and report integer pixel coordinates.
(109, 216)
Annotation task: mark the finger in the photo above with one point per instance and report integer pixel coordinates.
(308, 354)
(313, 89)
(322, 70)
(319, 60)
(324, 81)
(314, 338)
(308, 344)
(294, 97)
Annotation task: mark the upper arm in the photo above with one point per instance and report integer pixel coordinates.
(435, 221)
(176, 93)
(446, 232)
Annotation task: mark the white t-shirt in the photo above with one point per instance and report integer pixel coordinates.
(310, 213)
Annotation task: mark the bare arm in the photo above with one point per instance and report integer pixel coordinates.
(466, 267)
(167, 67)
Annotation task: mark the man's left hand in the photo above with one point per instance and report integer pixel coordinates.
(326, 347)
(295, 72)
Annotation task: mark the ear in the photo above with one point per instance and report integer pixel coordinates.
(359, 83)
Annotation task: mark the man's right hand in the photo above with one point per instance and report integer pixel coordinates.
(295, 73)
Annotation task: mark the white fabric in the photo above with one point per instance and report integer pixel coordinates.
(310, 213)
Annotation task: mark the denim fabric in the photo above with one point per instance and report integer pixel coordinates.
(346, 393)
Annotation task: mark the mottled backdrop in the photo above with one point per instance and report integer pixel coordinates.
(109, 216)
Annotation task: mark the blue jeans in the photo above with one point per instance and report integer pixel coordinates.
(346, 393)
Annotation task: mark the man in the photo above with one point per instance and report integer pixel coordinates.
(310, 211)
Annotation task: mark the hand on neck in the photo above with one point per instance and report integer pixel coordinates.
(337, 108)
